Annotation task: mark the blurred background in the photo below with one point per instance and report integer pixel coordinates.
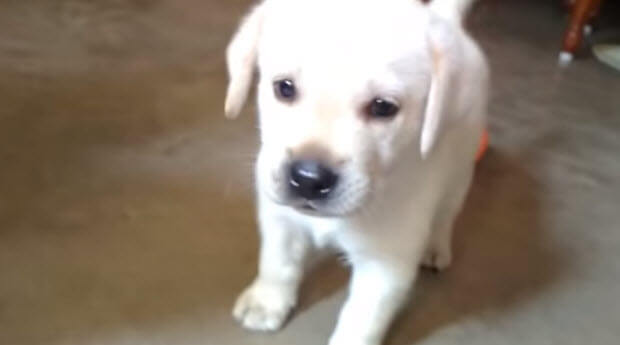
(126, 199)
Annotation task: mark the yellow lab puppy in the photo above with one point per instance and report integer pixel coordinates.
(370, 114)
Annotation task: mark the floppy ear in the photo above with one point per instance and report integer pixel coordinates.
(241, 61)
(442, 95)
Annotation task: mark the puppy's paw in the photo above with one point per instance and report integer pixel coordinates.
(264, 307)
(437, 259)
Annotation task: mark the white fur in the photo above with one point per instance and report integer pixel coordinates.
(403, 181)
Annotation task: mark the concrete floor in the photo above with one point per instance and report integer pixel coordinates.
(126, 211)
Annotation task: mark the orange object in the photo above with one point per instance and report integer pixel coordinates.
(484, 145)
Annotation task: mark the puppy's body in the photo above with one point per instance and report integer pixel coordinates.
(401, 179)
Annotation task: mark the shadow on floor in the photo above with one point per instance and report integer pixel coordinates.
(502, 255)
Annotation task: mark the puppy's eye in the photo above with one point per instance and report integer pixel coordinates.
(285, 90)
(381, 108)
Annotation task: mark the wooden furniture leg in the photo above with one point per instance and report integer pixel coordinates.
(582, 12)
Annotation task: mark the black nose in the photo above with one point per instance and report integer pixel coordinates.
(311, 179)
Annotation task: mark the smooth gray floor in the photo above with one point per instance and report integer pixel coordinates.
(126, 211)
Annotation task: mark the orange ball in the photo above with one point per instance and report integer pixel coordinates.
(484, 145)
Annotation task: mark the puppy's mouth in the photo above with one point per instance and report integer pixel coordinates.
(308, 207)
(311, 208)
(316, 208)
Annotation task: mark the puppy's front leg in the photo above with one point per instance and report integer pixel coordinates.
(379, 287)
(266, 303)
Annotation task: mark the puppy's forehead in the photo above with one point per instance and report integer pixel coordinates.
(342, 35)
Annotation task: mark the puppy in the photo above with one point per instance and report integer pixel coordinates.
(370, 114)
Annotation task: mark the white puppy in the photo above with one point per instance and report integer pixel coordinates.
(370, 115)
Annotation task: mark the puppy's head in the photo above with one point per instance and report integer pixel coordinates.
(345, 88)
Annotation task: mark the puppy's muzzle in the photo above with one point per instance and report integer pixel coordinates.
(311, 180)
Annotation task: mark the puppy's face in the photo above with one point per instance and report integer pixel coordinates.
(343, 90)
